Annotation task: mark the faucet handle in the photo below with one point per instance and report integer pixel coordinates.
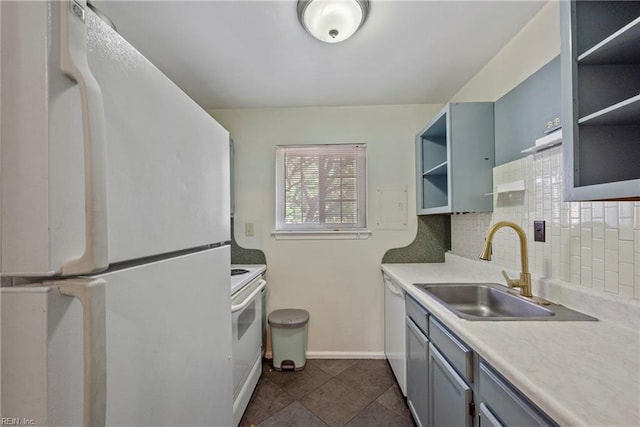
(512, 283)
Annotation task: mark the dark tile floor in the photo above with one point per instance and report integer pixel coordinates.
(326, 392)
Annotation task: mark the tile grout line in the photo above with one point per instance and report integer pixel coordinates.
(365, 371)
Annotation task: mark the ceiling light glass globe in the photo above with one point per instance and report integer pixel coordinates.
(332, 21)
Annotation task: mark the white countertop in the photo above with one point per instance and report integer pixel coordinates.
(579, 373)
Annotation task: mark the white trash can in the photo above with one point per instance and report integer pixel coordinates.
(289, 338)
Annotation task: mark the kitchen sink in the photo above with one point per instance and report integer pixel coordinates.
(492, 301)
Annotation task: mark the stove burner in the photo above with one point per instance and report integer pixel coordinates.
(238, 271)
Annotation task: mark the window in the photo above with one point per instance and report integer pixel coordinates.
(321, 188)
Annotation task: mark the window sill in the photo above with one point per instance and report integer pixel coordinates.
(321, 234)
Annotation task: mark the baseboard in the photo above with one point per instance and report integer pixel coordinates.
(345, 355)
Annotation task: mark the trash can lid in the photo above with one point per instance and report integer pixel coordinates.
(288, 318)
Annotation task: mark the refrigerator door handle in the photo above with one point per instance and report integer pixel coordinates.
(91, 294)
(74, 64)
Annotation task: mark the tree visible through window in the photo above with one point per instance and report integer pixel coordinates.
(321, 187)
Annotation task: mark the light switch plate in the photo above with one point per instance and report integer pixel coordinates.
(539, 231)
(248, 229)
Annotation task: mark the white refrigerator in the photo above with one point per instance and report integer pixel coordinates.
(114, 232)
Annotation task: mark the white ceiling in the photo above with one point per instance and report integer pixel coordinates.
(242, 53)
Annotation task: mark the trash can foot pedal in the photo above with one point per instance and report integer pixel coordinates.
(288, 365)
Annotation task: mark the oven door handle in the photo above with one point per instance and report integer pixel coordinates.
(243, 304)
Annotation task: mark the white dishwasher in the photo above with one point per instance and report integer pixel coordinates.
(394, 331)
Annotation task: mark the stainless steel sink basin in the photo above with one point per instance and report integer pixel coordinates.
(491, 301)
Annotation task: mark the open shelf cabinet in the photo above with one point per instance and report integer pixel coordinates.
(601, 99)
(454, 160)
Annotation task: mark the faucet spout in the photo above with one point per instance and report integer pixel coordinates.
(486, 251)
(524, 283)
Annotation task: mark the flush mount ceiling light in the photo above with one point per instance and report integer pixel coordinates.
(332, 21)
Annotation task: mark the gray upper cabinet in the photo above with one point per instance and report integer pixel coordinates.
(527, 112)
(454, 160)
(601, 99)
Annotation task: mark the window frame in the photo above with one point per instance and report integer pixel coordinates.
(321, 230)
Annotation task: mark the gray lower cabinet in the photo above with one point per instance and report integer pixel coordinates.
(452, 403)
(503, 405)
(448, 384)
(417, 374)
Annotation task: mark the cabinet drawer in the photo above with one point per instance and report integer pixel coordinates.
(417, 313)
(458, 354)
(486, 417)
(508, 406)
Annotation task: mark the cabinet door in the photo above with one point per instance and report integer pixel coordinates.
(417, 374)
(451, 397)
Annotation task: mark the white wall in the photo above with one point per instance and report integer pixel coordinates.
(337, 281)
(536, 44)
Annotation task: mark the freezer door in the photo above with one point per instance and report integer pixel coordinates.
(167, 160)
(168, 347)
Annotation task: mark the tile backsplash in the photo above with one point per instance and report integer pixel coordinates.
(591, 244)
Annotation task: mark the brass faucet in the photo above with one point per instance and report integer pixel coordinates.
(524, 283)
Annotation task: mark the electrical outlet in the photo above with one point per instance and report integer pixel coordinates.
(539, 231)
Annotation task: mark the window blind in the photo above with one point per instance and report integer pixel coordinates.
(321, 187)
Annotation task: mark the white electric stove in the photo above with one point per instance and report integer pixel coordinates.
(248, 288)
